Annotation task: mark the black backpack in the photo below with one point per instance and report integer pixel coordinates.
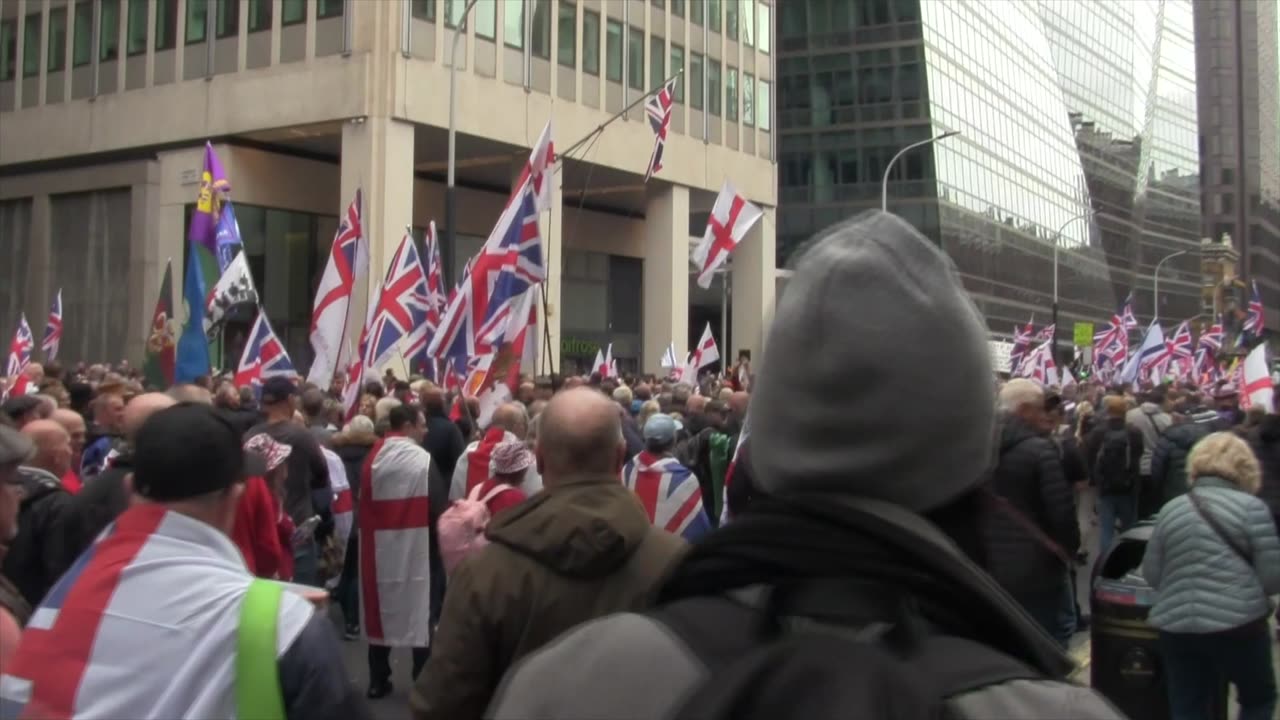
(765, 667)
(1111, 466)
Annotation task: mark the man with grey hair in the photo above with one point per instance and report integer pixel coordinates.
(313, 411)
(865, 530)
(474, 465)
(580, 549)
(1033, 536)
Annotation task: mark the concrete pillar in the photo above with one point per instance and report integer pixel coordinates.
(666, 274)
(754, 287)
(377, 158)
(550, 225)
(40, 269)
(147, 258)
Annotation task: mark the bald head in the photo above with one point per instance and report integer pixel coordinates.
(513, 418)
(738, 403)
(73, 423)
(53, 446)
(433, 399)
(580, 433)
(190, 392)
(141, 408)
(696, 404)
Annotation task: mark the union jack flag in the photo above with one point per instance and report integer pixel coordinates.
(20, 348)
(508, 265)
(1213, 337)
(1021, 340)
(402, 307)
(264, 356)
(669, 493)
(658, 108)
(53, 329)
(1045, 335)
(1253, 317)
(435, 293)
(1111, 345)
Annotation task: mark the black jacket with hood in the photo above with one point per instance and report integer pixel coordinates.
(49, 535)
(1029, 476)
(1266, 445)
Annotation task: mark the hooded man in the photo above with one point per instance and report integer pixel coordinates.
(865, 525)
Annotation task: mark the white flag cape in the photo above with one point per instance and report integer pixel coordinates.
(395, 545)
(342, 501)
(1258, 390)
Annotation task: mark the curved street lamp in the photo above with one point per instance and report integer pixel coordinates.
(884, 184)
(1155, 277)
(1057, 241)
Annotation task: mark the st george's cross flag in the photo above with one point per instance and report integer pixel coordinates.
(393, 519)
(731, 217)
(343, 505)
(20, 348)
(234, 287)
(348, 260)
(703, 355)
(1256, 388)
(669, 357)
(53, 329)
(658, 110)
(264, 357)
(669, 493)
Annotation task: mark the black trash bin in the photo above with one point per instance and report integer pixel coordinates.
(1126, 666)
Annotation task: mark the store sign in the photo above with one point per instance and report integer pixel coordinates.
(576, 346)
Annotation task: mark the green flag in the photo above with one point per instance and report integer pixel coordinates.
(159, 364)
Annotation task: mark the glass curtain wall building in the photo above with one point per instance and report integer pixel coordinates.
(1064, 109)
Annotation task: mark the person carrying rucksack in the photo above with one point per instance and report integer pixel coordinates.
(1116, 450)
(848, 588)
(462, 526)
(1151, 419)
(1169, 461)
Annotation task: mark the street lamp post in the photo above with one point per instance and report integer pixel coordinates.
(1155, 277)
(1057, 241)
(450, 208)
(884, 184)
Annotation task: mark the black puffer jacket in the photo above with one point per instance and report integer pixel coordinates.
(48, 539)
(1169, 461)
(1266, 445)
(1029, 476)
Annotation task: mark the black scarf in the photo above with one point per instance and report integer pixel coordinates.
(787, 542)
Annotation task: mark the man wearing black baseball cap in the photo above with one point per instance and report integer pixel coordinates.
(307, 472)
(169, 597)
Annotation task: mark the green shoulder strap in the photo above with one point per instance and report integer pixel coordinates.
(258, 695)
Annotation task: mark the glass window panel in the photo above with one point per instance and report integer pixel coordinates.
(542, 30)
(731, 93)
(748, 99)
(82, 34)
(259, 15)
(229, 19)
(591, 42)
(696, 89)
(748, 22)
(326, 8)
(513, 24)
(8, 48)
(485, 18)
(292, 12)
(613, 51)
(567, 35)
(137, 37)
(696, 9)
(762, 105)
(167, 24)
(426, 9)
(635, 58)
(677, 8)
(731, 19)
(197, 12)
(657, 61)
(31, 44)
(57, 39)
(762, 27)
(713, 86)
(677, 65)
(109, 31)
(453, 12)
(713, 15)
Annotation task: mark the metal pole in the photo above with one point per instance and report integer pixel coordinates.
(1155, 277)
(1057, 240)
(599, 128)
(450, 199)
(724, 319)
(884, 184)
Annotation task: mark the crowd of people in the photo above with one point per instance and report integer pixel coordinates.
(633, 547)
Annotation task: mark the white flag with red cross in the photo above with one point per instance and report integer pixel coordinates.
(1256, 390)
(731, 217)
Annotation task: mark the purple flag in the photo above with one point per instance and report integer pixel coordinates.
(213, 190)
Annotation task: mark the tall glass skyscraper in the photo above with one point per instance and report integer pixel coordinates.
(1064, 109)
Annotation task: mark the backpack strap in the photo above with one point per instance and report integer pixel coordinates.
(495, 491)
(258, 693)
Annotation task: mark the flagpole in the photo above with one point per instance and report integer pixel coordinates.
(600, 128)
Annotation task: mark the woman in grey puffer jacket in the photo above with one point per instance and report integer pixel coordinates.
(1213, 583)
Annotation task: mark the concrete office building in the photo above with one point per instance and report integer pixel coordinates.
(1063, 107)
(106, 104)
(1239, 102)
